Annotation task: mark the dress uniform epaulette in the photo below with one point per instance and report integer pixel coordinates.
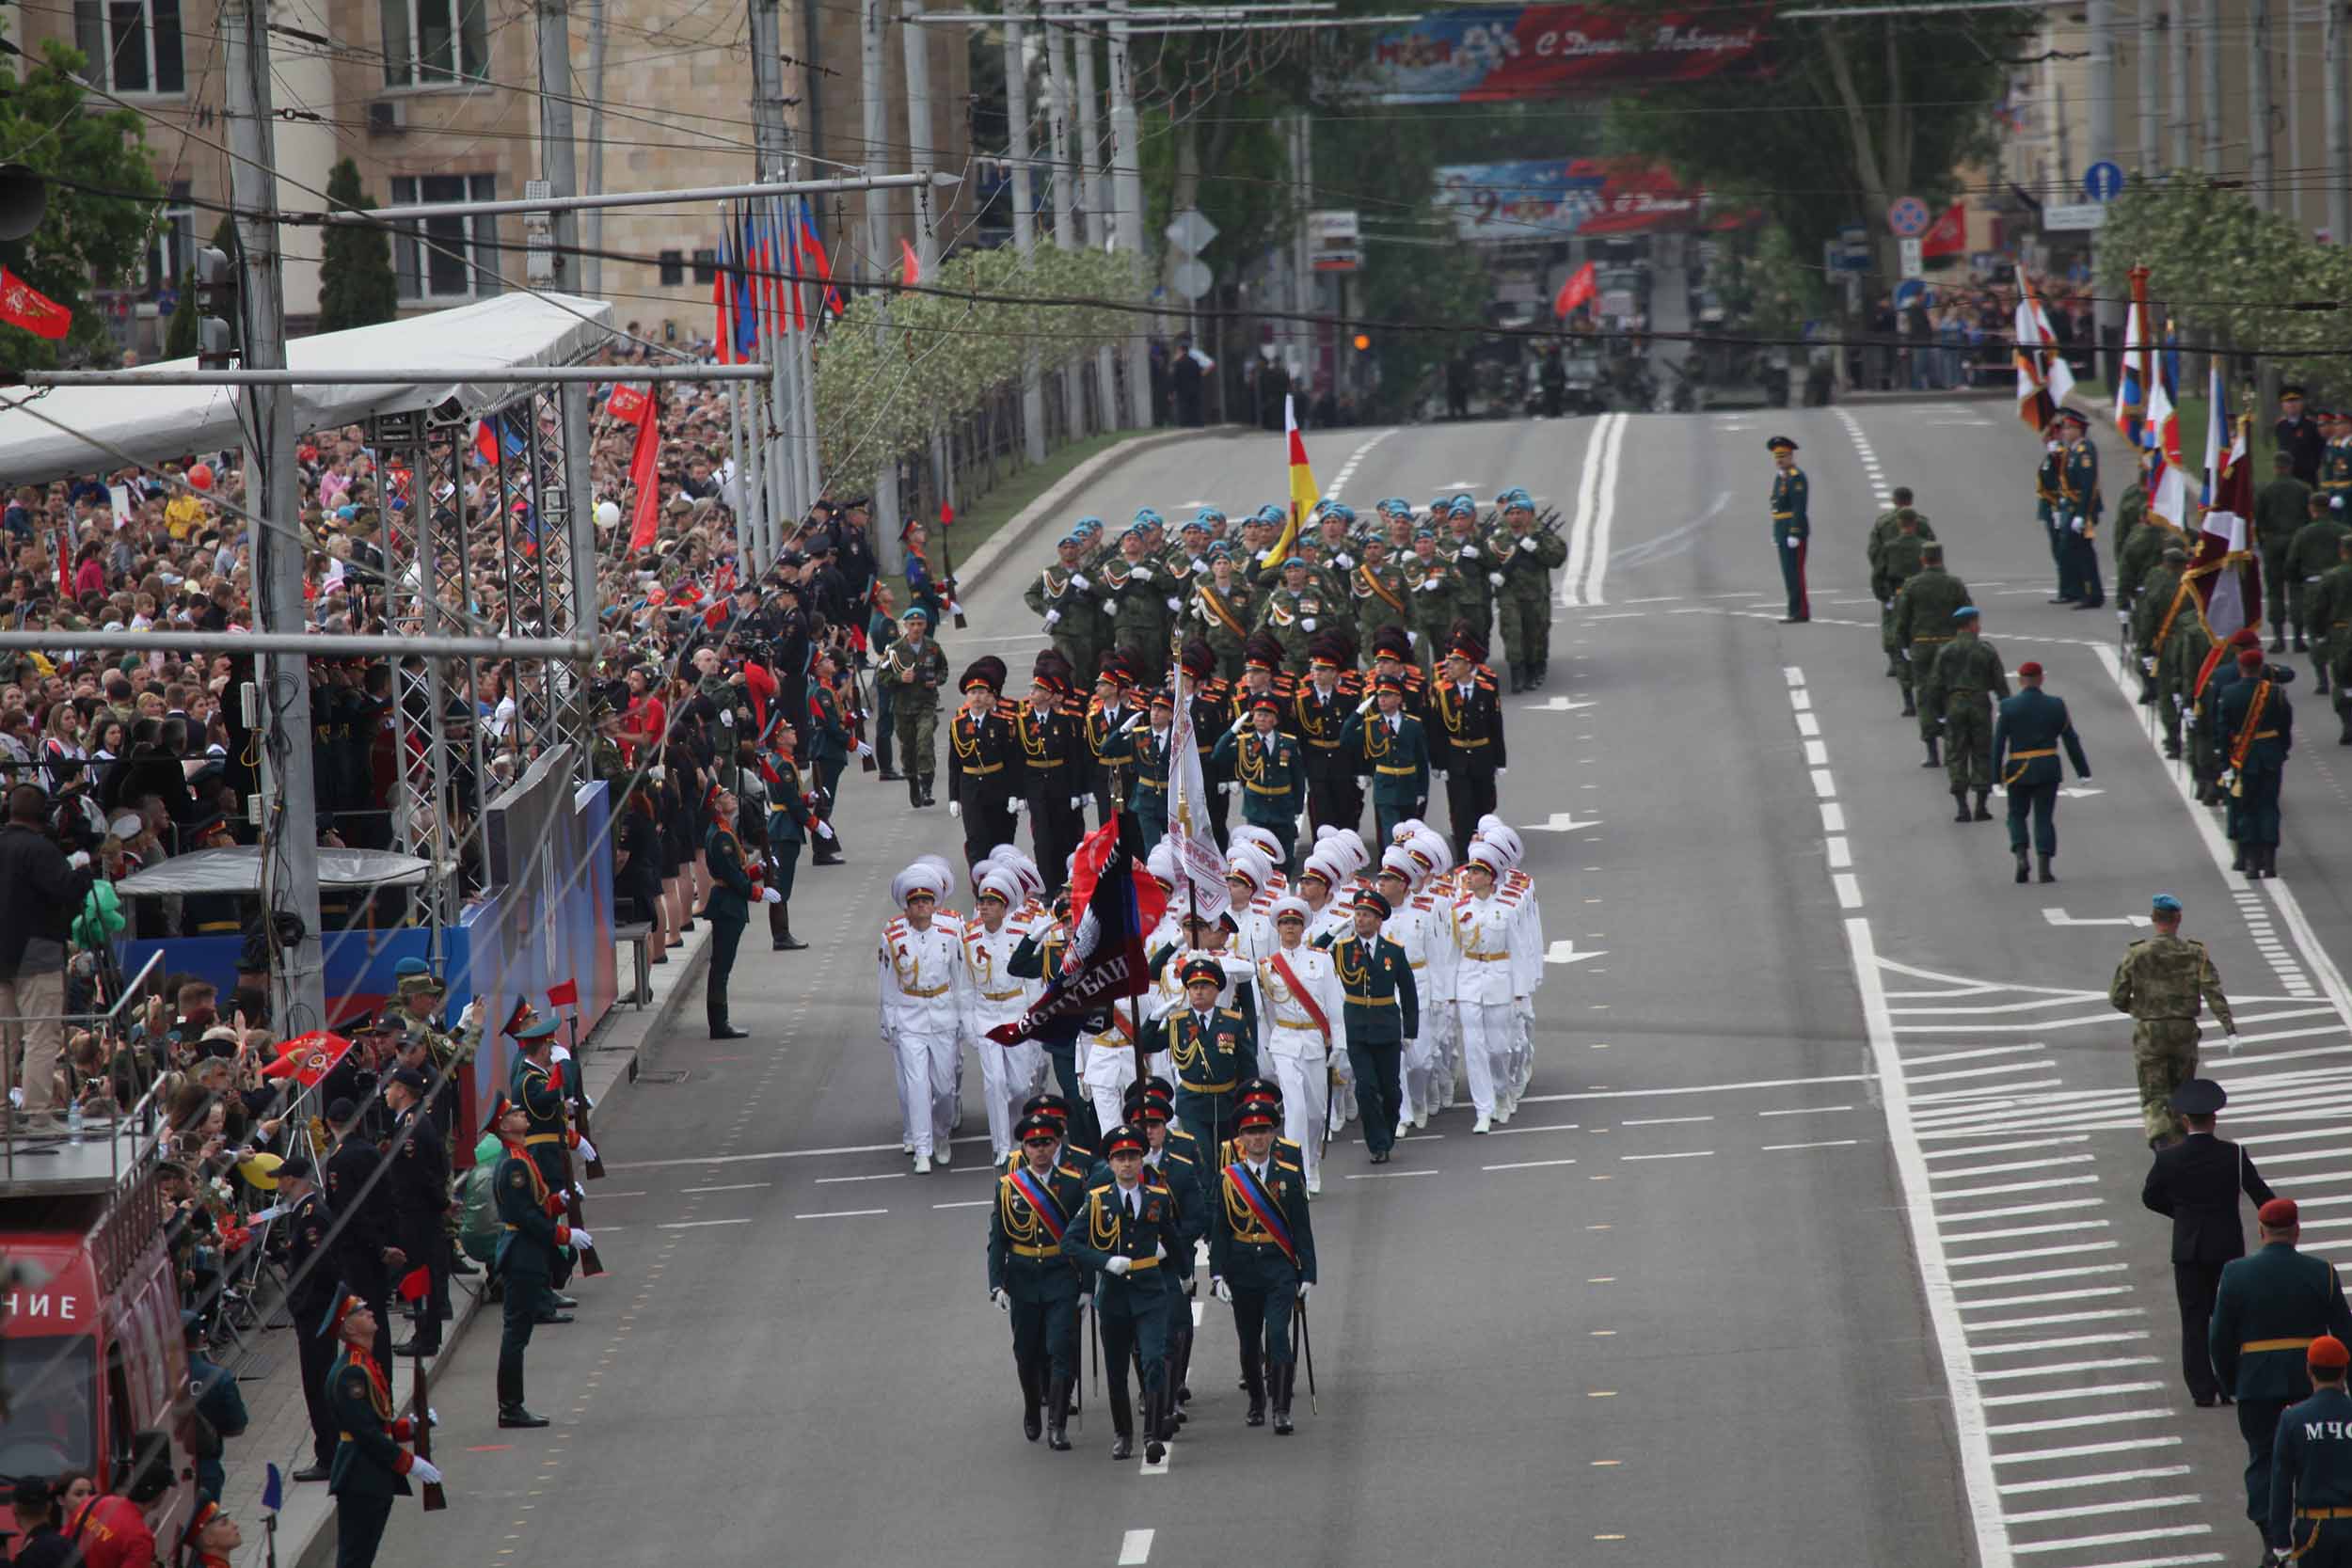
(1285, 1165)
(1229, 1012)
(1516, 880)
(896, 927)
(1284, 682)
(1425, 901)
(1484, 677)
(1006, 707)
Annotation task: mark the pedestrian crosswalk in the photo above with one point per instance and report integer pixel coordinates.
(2076, 1386)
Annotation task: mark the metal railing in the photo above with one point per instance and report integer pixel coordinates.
(127, 1136)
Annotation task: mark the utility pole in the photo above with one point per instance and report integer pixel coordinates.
(2107, 315)
(2258, 164)
(1094, 187)
(1065, 223)
(2331, 54)
(592, 230)
(2209, 84)
(2176, 81)
(1127, 190)
(2151, 89)
(575, 514)
(874, 83)
(774, 141)
(291, 832)
(1024, 224)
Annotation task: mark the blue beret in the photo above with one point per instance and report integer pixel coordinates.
(1273, 513)
(1146, 518)
(916, 613)
(1074, 536)
(407, 967)
(1089, 525)
(2166, 904)
(1394, 506)
(1219, 552)
(1965, 612)
(1205, 516)
(1516, 496)
(1464, 507)
(1424, 532)
(1343, 512)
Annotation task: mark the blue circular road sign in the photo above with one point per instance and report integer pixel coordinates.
(2102, 180)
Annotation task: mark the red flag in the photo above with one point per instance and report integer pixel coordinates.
(722, 330)
(485, 442)
(910, 264)
(415, 1283)
(628, 403)
(307, 1058)
(1582, 284)
(1094, 853)
(792, 259)
(1949, 235)
(563, 993)
(816, 251)
(22, 305)
(642, 474)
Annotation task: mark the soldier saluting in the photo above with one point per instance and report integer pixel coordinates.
(2161, 982)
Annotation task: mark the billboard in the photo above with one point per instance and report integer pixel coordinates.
(1492, 54)
(1545, 200)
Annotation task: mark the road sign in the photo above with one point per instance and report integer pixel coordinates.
(2062, 218)
(1913, 264)
(1334, 241)
(1190, 233)
(2102, 180)
(1908, 290)
(1192, 278)
(1908, 216)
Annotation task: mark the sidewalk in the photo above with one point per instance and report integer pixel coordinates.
(270, 1377)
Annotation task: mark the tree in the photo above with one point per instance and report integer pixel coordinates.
(83, 236)
(180, 332)
(355, 284)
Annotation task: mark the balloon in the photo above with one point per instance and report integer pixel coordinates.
(200, 476)
(608, 514)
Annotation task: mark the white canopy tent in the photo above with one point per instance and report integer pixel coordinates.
(514, 330)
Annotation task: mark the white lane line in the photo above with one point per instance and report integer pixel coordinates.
(1794, 674)
(841, 1214)
(2071, 1342)
(1696, 1088)
(1952, 1193)
(968, 1203)
(2027, 1252)
(1808, 725)
(1660, 1121)
(1805, 1110)
(2038, 1274)
(1686, 1154)
(1937, 1059)
(2010, 1212)
(1528, 1164)
(1990, 1070)
(2086, 1451)
(1832, 818)
(773, 1154)
(1816, 754)
(2017, 1164)
(2060, 1423)
(2124, 1505)
(886, 1176)
(2003, 1149)
(698, 1225)
(1849, 890)
(2190, 1562)
(1386, 1174)
(2046, 1318)
(1824, 786)
(1596, 513)
(730, 1187)
(1135, 1548)
(2105, 1478)
(2046, 1396)
(2068, 1368)
(1826, 1143)
(1547, 1126)
(1840, 852)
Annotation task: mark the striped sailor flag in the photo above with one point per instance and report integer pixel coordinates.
(2043, 378)
(2223, 573)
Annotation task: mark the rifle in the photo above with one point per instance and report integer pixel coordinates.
(434, 1499)
(578, 1086)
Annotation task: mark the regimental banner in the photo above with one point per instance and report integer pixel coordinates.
(1549, 199)
(1506, 52)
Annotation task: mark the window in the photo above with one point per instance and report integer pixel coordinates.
(429, 41)
(672, 268)
(705, 266)
(133, 45)
(446, 259)
(171, 249)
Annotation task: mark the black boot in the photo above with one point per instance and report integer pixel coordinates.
(2277, 642)
(928, 798)
(1983, 813)
(1122, 1425)
(2237, 860)
(1959, 798)
(2270, 860)
(2172, 748)
(1253, 1378)
(1285, 1379)
(1935, 758)
(1057, 1414)
(1154, 1438)
(914, 790)
(1032, 1420)
(509, 1392)
(2046, 874)
(1911, 707)
(2301, 646)
(2023, 870)
(1538, 672)
(780, 929)
(1516, 685)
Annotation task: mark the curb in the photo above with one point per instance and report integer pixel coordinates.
(1970, 394)
(1026, 523)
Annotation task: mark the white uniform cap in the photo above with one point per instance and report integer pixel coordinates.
(1489, 856)
(1407, 829)
(1242, 860)
(1431, 847)
(1321, 865)
(1291, 906)
(1161, 862)
(1507, 840)
(1003, 884)
(1400, 861)
(1490, 820)
(1257, 838)
(918, 878)
(1343, 847)
(944, 872)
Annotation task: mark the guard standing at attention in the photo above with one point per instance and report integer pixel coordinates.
(2195, 1183)
(1261, 1260)
(1969, 675)
(2079, 505)
(2027, 735)
(729, 909)
(1032, 1281)
(2161, 982)
(1792, 529)
(370, 1468)
(1127, 1230)
(2269, 1309)
(1383, 1010)
(530, 1242)
(2311, 1467)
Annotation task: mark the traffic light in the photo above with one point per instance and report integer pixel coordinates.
(1364, 342)
(215, 302)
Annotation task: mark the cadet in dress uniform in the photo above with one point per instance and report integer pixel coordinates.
(2268, 1309)
(983, 764)
(2311, 1467)
(370, 1468)
(1391, 749)
(1486, 985)
(1793, 527)
(1126, 1232)
(1033, 1280)
(1318, 717)
(1272, 775)
(2048, 510)
(2196, 1183)
(993, 995)
(1261, 1260)
(531, 1243)
(1173, 1163)
(1211, 1049)
(921, 980)
(2161, 983)
(1969, 675)
(1049, 734)
(2256, 723)
(1300, 1025)
(2026, 735)
(1383, 1011)
(1466, 738)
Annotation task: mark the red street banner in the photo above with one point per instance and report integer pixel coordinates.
(1637, 196)
(22, 305)
(1948, 235)
(1491, 53)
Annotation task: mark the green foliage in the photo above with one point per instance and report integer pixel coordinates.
(940, 358)
(2205, 244)
(1778, 293)
(44, 126)
(180, 332)
(355, 283)
(1240, 176)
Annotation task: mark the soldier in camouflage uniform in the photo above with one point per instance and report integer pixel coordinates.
(2139, 560)
(1380, 591)
(1476, 568)
(1063, 596)
(1924, 607)
(2131, 511)
(1969, 675)
(1336, 549)
(2279, 508)
(1894, 563)
(1135, 593)
(1225, 607)
(2152, 594)
(2160, 983)
(1528, 557)
(1293, 613)
(1884, 529)
(2180, 657)
(2330, 606)
(914, 668)
(1436, 596)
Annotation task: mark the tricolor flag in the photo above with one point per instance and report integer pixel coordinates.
(2160, 433)
(2043, 378)
(2222, 572)
(1306, 495)
(813, 251)
(2131, 392)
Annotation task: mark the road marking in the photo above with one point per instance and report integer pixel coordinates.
(2060, 1423)
(1386, 1174)
(1547, 1126)
(1828, 1143)
(1135, 1548)
(1595, 510)
(730, 1187)
(1833, 819)
(2069, 1367)
(698, 1225)
(2017, 1164)
(1840, 852)
(2036, 1274)
(2069, 1342)
(2084, 1294)
(1661, 1121)
(1849, 890)
(2047, 1395)
(1824, 786)
(1805, 1110)
(2125, 1505)
(1808, 725)
(841, 1214)
(968, 1203)
(886, 1176)
(1528, 1164)
(1700, 1088)
(1686, 1154)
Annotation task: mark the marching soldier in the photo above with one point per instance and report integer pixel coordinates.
(1266, 765)
(531, 1253)
(1138, 600)
(1210, 1049)
(2048, 507)
(1207, 694)
(1032, 1281)
(1049, 732)
(1529, 556)
(1063, 596)
(2334, 484)
(2334, 601)
(2161, 982)
(2311, 1467)
(1478, 570)
(2131, 511)
(914, 668)
(1300, 1024)
(2156, 601)
(1319, 713)
(1435, 597)
(2257, 724)
(2195, 1183)
(1293, 613)
(1383, 1011)
(1925, 607)
(1172, 1163)
(1126, 1232)
(1109, 715)
(2026, 740)
(1895, 561)
(1261, 1260)
(1225, 607)
(2079, 506)
(2280, 509)
(370, 1468)
(1139, 756)
(1391, 747)
(2318, 545)
(921, 981)
(1380, 591)
(1793, 527)
(1490, 983)
(1968, 675)
(994, 995)
(2271, 1308)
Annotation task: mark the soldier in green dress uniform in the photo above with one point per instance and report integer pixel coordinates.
(1261, 1260)
(2318, 545)
(1266, 764)
(1391, 749)
(1969, 675)
(370, 1467)
(2271, 1305)
(2079, 505)
(1529, 556)
(1126, 1231)
(1924, 608)
(1224, 608)
(1211, 1049)
(2311, 1467)
(532, 1244)
(1138, 755)
(915, 668)
(1383, 1008)
(2280, 507)
(1030, 1277)
(2162, 982)
(2155, 603)
(1792, 525)
(2330, 608)
(1293, 612)
(2026, 735)
(2256, 724)
(730, 910)
(1063, 596)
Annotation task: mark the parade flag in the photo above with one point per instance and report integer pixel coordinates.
(2043, 378)
(1582, 284)
(563, 993)
(2222, 572)
(910, 265)
(813, 250)
(722, 328)
(793, 267)
(22, 305)
(2131, 390)
(307, 1058)
(1105, 961)
(2160, 433)
(636, 405)
(1306, 495)
(1188, 832)
(1947, 235)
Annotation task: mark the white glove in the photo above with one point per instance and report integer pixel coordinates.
(1495, 577)
(1173, 603)
(1077, 802)
(1218, 1288)
(423, 1469)
(824, 831)
(1052, 616)
(1499, 772)
(1198, 564)
(726, 718)
(1363, 780)
(1792, 542)
(1344, 561)
(1003, 1300)
(1017, 805)
(581, 1240)
(2077, 525)
(2124, 616)
(1077, 580)
(1159, 1249)
(587, 1152)
(1140, 573)
(77, 859)
(864, 750)
(955, 810)
(1467, 552)
(1307, 622)
(1305, 1286)
(432, 1417)
(1527, 544)
(1118, 1266)
(770, 896)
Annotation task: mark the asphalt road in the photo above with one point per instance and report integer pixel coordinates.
(1815, 1241)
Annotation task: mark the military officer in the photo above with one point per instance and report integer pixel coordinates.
(1925, 607)
(1266, 765)
(2267, 1312)
(1126, 1232)
(2311, 1467)
(2079, 505)
(2195, 1183)
(2048, 508)
(1211, 1048)
(1894, 562)
(1465, 739)
(792, 822)
(921, 980)
(419, 1179)
(2334, 484)
(1968, 675)
(2318, 546)
(1063, 596)
(1225, 607)
(1320, 709)
(2161, 983)
(914, 668)
(535, 1084)
(1261, 1260)
(731, 895)
(2280, 509)
(1529, 556)
(1793, 527)
(1207, 694)
(1140, 757)
(1032, 1281)
(1393, 655)
(2257, 724)
(1049, 733)
(2300, 437)
(530, 1254)
(1173, 1164)
(983, 765)
(370, 1468)
(1383, 1011)
(1109, 718)
(2026, 735)
(1391, 747)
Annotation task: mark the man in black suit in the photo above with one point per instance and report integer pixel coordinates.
(2196, 1182)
